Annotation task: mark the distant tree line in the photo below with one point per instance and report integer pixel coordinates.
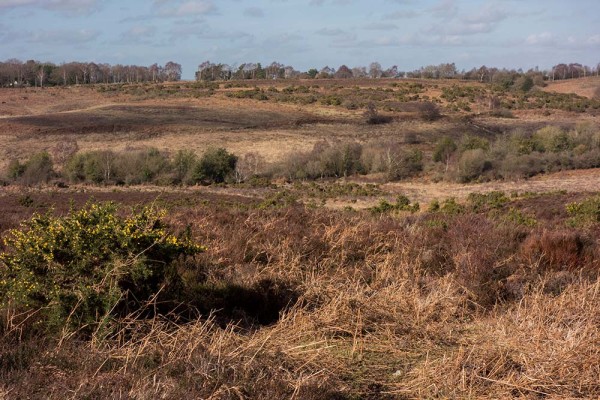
(15, 73)
(209, 71)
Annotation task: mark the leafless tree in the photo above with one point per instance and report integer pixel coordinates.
(375, 70)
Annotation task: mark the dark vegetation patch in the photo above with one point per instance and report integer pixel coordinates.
(118, 119)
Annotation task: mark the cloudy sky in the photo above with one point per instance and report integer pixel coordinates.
(303, 33)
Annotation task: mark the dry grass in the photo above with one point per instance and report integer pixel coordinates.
(382, 307)
(583, 87)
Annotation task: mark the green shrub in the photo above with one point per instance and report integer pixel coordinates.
(15, 169)
(444, 148)
(38, 169)
(78, 270)
(93, 166)
(434, 206)
(472, 164)
(486, 201)
(518, 217)
(342, 160)
(521, 143)
(405, 164)
(586, 212)
(470, 142)
(554, 139)
(215, 166)
(524, 84)
(402, 204)
(452, 207)
(183, 164)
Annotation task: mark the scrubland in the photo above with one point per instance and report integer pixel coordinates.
(291, 241)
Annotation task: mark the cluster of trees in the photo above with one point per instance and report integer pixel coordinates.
(35, 73)
(14, 72)
(208, 71)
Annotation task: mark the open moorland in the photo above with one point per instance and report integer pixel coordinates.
(308, 239)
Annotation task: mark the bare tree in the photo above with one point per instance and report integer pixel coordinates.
(173, 71)
(375, 70)
(359, 72)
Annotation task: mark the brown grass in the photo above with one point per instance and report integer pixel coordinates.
(384, 307)
(583, 86)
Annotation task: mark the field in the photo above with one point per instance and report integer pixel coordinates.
(401, 275)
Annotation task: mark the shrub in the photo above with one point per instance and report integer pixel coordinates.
(485, 201)
(141, 166)
(15, 169)
(586, 212)
(524, 84)
(183, 164)
(405, 164)
(444, 149)
(215, 166)
(520, 142)
(452, 207)
(472, 164)
(428, 111)
(402, 204)
(470, 142)
(373, 117)
(523, 166)
(38, 169)
(519, 217)
(554, 139)
(78, 270)
(93, 166)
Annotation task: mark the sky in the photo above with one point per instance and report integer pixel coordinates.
(303, 33)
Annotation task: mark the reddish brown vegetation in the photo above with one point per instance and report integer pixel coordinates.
(326, 304)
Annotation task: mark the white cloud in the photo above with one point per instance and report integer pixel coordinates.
(541, 39)
(594, 40)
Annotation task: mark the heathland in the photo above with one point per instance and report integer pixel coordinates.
(322, 238)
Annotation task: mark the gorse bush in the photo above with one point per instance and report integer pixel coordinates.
(79, 270)
(586, 212)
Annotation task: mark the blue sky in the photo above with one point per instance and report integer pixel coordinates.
(303, 33)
